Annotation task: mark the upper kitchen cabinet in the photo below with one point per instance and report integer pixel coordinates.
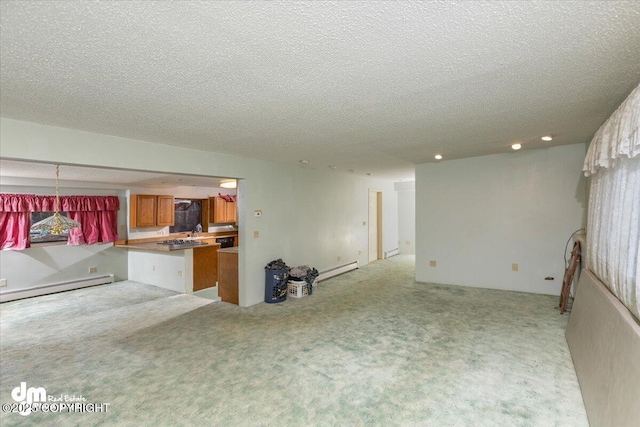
(221, 211)
(150, 211)
(231, 211)
(166, 211)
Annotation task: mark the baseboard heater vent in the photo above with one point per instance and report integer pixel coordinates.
(55, 287)
(391, 253)
(338, 270)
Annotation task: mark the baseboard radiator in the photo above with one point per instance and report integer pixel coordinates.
(391, 253)
(338, 270)
(55, 287)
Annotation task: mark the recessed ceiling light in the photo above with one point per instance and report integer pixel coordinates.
(547, 138)
(333, 167)
(516, 146)
(304, 161)
(438, 156)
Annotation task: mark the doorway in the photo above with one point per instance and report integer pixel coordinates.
(375, 225)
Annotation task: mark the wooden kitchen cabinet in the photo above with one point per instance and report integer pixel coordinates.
(228, 275)
(205, 267)
(166, 211)
(221, 211)
(149, 210)
(231, 211)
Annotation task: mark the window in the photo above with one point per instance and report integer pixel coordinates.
(98, 216)
(38, 237)
(188, 214)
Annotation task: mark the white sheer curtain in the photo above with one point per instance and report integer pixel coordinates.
(613, 225)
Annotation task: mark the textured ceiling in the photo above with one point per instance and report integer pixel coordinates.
(372, 86)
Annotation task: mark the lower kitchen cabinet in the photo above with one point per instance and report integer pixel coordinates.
(205, 267)
(228, 275)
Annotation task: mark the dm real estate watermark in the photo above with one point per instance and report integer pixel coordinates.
(36, 399)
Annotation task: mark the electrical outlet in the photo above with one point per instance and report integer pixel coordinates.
(93, 270)
(179, 273)
(3, 282)
(432, 263)
(514, 266)
(359, 252)
(364, 222)
(339, 258)
(408, 242)
(256, 234)
(153, 268)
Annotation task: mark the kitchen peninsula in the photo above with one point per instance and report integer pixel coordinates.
(183, 264)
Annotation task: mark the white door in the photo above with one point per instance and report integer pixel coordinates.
(373, 225)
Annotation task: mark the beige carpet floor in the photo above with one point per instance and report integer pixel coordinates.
(369, 348)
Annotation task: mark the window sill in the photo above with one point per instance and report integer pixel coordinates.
(45, 244)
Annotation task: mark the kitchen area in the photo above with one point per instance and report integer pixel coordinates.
(186, 241)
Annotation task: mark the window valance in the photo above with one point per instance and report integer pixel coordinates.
(618, 137)
(34, 203)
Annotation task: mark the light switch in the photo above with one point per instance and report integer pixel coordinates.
(432, 263)
(256, 234)
(514, 267)
(257, 213)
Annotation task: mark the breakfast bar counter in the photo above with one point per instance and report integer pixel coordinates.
(155, 246)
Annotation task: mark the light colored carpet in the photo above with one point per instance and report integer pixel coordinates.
(371, 347)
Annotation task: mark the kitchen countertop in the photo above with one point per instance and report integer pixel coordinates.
(233, 249)
(150, 244)
(154, 246)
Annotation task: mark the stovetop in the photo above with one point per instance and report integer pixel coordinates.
(181, 243)
(174, 242)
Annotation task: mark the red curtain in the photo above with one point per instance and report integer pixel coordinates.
(33, 203)
(95, 227)
(14, 230)
(98, 216)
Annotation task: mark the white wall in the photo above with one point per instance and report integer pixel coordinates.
(309, 216)
(44, 265)
(167, 270)
(406, 217)
(477, 216)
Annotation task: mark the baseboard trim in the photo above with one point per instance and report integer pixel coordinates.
(55, 287)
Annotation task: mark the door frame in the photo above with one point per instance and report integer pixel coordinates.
(378, 196)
